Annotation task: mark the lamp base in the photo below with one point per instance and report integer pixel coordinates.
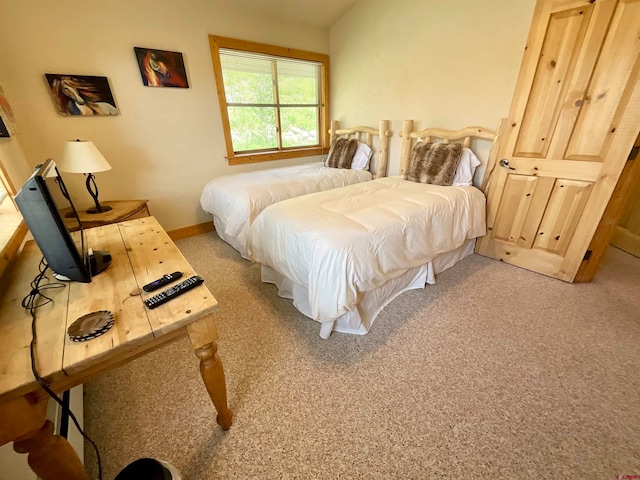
(103, 208)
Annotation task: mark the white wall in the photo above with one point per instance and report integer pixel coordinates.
(441, 63)
(447, 64)
(167, 142)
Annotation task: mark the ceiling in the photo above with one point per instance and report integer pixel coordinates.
(318, 13)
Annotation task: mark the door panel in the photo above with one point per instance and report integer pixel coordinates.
(556, 64)
(577, 85)
(573, 119)
(516, 204)
(566, 204)
(608, 94)
(531, 227)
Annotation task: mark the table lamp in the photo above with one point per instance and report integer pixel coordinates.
(81, 156)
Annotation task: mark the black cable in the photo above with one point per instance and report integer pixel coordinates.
(66, 411)
(29, 303)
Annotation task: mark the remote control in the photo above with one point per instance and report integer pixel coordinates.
(173, 292)
(162, 281)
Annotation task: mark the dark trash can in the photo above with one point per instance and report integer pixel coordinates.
(149, 469)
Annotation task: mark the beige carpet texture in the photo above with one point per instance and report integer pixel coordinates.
(494, 372)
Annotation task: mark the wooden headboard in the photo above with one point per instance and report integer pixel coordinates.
(365, 135)
(465, 135)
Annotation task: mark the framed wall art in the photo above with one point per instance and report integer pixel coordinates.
(4, 132)
(160, 68)
(7, 120)
(81, 95)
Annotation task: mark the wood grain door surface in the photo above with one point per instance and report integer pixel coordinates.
(627, 235)
(573, 120)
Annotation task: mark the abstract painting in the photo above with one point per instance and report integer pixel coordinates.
(81, 95)
(3, 129)
(7, 120)
(160, 68)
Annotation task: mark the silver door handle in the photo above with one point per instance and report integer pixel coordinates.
(505, 163)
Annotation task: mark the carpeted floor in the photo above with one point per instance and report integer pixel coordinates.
(495, 372)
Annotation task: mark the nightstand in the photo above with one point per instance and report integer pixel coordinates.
(121, 210)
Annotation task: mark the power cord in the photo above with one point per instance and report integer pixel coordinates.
(30, 302)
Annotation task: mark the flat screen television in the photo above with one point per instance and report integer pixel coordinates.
(63, 244)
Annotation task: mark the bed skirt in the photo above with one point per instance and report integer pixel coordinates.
(371, 303)
(221, 228)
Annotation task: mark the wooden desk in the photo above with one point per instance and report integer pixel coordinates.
(141, 252)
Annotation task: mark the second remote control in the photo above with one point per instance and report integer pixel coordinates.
(173, 292)
(162, 281)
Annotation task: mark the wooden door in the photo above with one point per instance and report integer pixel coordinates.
(573, 120)
(627, 234)
(629, 181)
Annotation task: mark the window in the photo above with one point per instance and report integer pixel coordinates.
(273, 100)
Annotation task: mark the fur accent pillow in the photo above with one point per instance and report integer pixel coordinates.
(341, 153)
(434, 163)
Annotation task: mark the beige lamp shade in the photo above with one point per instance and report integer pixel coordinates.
(80, 156)
(83, 157)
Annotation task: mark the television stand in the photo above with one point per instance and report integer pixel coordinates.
(142, 252)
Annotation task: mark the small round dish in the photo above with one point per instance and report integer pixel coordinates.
(90, 326)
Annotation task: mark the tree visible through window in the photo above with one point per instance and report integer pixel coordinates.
(272, 100)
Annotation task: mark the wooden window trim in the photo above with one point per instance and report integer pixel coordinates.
(217, 42)
(13, 238)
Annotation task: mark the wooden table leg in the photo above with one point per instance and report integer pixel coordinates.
(204, 336)
(51, 457)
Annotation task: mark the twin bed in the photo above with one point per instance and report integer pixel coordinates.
(236, 200)
(345, 253)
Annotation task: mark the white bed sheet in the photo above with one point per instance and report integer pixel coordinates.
(338, 245)
(236, 200)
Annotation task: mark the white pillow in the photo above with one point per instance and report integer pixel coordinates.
(361, 157)
(466, 168)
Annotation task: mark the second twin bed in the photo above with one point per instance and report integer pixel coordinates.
(236, 200)
(343, 254)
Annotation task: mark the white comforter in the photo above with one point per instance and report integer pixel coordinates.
(236, 200)
(341, 243)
